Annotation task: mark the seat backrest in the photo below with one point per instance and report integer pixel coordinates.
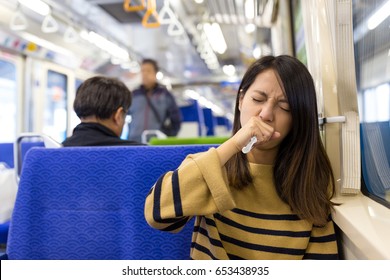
(7, 154)
(88, 203)
(8, 183)
(192, 118)
(7, 151)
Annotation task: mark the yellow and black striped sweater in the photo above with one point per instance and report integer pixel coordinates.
(253, 223)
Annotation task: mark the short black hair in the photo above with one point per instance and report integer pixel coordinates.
(101, 96)
(152, 62)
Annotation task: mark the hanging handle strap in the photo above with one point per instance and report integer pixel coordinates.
(151, 12)
(129, 8)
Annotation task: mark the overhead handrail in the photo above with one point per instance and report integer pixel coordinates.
(151, 12)
(70, 35)
(175, 28)
(129, 8)
(49, 24)
(18, 21)
(166, 14)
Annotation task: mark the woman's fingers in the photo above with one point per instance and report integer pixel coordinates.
(275, 135)
(265, 132)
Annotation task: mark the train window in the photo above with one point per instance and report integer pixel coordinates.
(74, 119)
(55, 114)
(372, 59)
(78, 83)
(8, 101)
(299, 34)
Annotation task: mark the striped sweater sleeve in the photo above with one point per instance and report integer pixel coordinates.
(322, 244)
(198, 187)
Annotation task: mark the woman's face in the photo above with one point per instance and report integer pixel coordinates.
(265, 99)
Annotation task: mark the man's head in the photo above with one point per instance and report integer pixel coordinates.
(104, 100)
(149, 69)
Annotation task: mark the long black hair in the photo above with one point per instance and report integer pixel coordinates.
(302, 172)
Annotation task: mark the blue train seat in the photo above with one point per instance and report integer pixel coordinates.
(88, 203)
(7, 154)
(225, 122)
(210, 121)
(7, 151)
(192, 114)
(12, 154)
(4, 227)
(7, 158)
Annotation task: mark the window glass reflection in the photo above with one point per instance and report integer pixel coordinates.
(74, 120)
(55, 115)
(8, 101)
(372, 57)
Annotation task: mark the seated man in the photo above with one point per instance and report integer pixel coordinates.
(101, 104)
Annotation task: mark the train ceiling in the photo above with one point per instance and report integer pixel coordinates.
(182, 47)
(178, 39)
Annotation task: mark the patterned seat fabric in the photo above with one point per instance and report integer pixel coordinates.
(7, 154)
(7, 158)
(7, 151)
(88, 203)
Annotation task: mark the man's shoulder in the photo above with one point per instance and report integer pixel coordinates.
(137, 91)
(158, 89)
(162, 89)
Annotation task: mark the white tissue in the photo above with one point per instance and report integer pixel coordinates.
(249, 146)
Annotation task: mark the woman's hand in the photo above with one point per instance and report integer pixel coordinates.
(254, 127)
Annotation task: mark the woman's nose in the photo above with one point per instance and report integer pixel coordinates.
(267, 112)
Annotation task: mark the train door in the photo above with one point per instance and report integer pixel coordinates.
(50, 95)
(11, 86)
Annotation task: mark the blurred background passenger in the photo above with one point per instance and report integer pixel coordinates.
(101, 104)
(153, 107)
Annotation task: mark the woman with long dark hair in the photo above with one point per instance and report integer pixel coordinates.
(269, 201)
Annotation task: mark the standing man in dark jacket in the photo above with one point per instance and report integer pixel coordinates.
(153, 107)
(101, 103)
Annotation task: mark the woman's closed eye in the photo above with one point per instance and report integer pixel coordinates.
(281, 104)
(284, 106)
(260, 100)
